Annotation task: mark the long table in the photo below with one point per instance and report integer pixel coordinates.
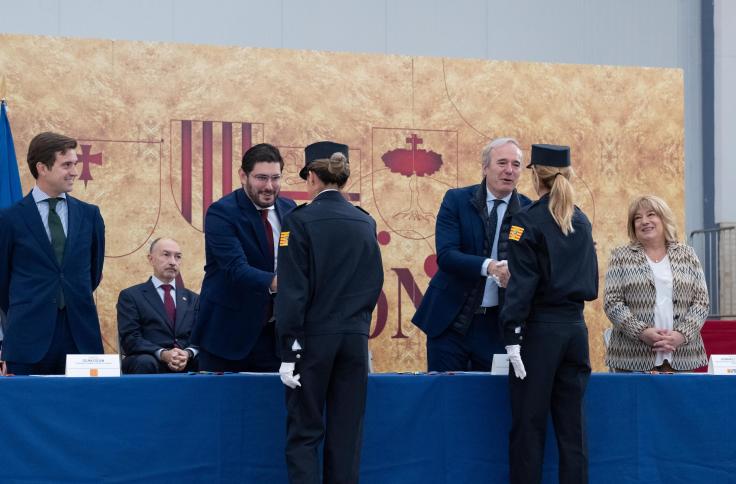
(418, 429)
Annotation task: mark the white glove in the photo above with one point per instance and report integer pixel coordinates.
(514, 352)
(286, 372)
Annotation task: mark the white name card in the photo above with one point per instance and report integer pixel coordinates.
(722, 365)
(500, 364)
(93, 365)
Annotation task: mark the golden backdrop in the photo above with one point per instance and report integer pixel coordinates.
(162, 129)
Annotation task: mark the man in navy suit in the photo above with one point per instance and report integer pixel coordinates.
(155, 318)
(235, 324)
(52, 248)
(459, 312)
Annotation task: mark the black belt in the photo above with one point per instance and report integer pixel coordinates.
(486, 309)
(665, 367)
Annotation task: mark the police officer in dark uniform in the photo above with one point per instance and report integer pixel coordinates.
(330, 275)
(554, 270)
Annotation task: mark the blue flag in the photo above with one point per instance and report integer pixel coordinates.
(10, 191)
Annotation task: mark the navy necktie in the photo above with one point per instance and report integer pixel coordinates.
(493, 216)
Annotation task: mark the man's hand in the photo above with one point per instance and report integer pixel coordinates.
(3, 369)
(274, 286)
(175, 358)
(286, 372)
(499, 271)
(514, 352)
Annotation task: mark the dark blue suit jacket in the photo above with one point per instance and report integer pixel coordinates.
(459, 240)
(238, 273)
(30, 279)
(143, 325)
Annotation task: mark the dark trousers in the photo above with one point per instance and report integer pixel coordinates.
(557, 364)
(334, 374)
(261, 359)
(54, 361)
(148, 364)
(472, 351)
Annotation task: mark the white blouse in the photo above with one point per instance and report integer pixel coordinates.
(663, 309)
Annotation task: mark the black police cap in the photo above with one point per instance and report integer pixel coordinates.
(321, 150)
(550, 155)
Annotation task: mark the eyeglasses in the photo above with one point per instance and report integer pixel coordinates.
(263, 179)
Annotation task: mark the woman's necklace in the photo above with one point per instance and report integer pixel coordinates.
(661, 254)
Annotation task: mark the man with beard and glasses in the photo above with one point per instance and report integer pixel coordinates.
(234, 330)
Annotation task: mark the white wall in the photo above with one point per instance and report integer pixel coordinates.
(725, 107)
(657, 33)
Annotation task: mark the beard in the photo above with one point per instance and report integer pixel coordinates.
(262, 197)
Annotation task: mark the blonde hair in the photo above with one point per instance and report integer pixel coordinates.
(561, 193)
(658, 206)
(332, 171)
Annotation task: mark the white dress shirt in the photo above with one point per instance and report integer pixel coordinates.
(40, 197)
(273, 219)
(663, 307)
(490, 294)
(157, 283)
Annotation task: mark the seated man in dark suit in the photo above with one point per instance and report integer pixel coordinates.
(155, 318)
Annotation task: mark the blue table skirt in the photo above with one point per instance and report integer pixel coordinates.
(419, 429)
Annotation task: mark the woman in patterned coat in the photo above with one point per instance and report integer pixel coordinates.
(655, 295)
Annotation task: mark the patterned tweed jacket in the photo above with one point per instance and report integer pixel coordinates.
(629, 300)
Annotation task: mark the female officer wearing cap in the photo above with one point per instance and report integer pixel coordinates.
(554, 270)
(330, 276)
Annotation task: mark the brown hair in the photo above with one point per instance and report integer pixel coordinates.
(43, 149)
(333, 171)
(658, 206)
(259, 153)
(561, 194)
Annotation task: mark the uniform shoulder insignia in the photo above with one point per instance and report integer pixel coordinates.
(284, 239)
(361, 209)
(515, 233)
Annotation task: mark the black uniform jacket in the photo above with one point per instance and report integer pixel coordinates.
(552, 274)
(330, 271)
